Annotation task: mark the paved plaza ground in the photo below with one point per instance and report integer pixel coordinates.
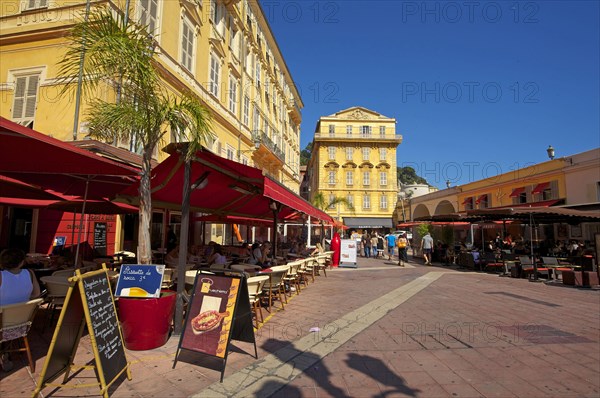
(383, 331)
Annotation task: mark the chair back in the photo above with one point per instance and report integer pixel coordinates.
(277, 274)
(550, 260)
(525, 260)
(57, 286)
(15, 319)
(256, 284)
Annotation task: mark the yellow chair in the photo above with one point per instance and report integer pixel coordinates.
(15, 323)
(57, 287)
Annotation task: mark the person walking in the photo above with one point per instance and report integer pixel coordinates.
(367, 244)
(427, 248)
(391, 243)
(402, 248)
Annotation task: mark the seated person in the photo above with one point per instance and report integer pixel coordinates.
(217, 258)
(16, 285)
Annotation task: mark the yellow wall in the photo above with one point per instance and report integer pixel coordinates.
(34, 39)
(322, 163)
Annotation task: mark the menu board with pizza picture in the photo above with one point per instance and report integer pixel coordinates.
(218, 312)
(209, 320)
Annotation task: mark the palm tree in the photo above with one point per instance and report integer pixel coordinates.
(321, 203)
(118, 55)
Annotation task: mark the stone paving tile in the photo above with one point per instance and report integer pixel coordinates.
(461, 390)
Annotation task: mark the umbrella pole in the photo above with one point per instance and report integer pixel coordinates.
(87, 183)
(183, 248)
(535, 277)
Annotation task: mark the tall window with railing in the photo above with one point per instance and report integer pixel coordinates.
(383, 178)
(331, 152)
(349, 178)
(331, 177)
(382, 131)
(331, 130)
(383, 154)
(349, 130)
(366, 178)
(365, 131)
(366, 153)
(366, 202)
(383, 202)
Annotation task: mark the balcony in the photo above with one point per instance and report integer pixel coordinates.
(267, 151)
(343, 136)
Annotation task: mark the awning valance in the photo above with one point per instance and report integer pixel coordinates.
(368, 222)
(539, 188)
(516, 192)
(468, 200)
(481, 199)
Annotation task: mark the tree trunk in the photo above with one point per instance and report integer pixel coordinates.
(144, 242)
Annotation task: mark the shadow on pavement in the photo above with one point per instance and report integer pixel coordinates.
(377, 370)
(298, 359)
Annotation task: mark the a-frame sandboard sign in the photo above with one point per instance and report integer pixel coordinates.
(218, 312)
(89, 303)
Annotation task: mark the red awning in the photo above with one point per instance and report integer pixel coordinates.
(37, 159)
(92, 207)
(516, 192)
(468, 200)
(539, 188)
(15, 189)
(228, 189)
(481, 198)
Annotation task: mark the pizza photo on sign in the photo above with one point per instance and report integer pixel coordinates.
(207, 321)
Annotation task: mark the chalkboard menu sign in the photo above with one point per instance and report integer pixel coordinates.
(218, 311)
(89, 302)
(137, 280)
(100, 238)
(105, 327)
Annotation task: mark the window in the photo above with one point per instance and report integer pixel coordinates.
(522, 198)
(331, 201)
(366, 178)
(245, 115)
(245, 160)
(331, 152)
(215, 75)
(149, 15)
(382, 154)
(349, 130)
(233, 85)
(35, 4)
(331, 177)
(331, 130)
(365, 131)
(230, 152)
(256, 119)
(234, 39)
(257, 71)
(383, 203)
(349, 153)
(25, 100)
(350, 200)
(366, 202)
(366, 153)
(382, 178)
(187, 45)
(382, 131)
(218, 15)
(349, 178)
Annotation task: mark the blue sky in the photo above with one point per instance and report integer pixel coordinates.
(477, 87)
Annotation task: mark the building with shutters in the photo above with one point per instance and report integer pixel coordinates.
(223, 51)
(354, 157)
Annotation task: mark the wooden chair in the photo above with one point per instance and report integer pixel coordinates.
(255, 288)
(276, 284)
(292, 277)
(15, 323)
(322, 264)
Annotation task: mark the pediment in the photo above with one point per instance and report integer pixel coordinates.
(358, 113)
(366, 164)
(331, 165)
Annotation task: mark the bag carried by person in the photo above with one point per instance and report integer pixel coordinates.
(402, 242)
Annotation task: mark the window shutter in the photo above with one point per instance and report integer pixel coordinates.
(19, 99)
(31, 96)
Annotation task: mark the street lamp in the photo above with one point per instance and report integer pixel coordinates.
(550, 152)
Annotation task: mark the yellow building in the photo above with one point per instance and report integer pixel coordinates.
(223, 51)
(354, 157)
